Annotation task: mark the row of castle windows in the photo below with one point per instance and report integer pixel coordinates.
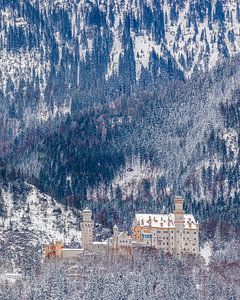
(149, 236)
(173, 238)
(123, 242)
(187, 232)
(166, 249)
(185, 249)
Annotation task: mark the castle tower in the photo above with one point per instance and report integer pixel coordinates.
(179, 223)
(115, 236)
(87, 228)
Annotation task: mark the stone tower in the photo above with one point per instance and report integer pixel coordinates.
(87, 228)
(179, 223)
(115, 236)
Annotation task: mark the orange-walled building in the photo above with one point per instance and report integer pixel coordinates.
(53, 250)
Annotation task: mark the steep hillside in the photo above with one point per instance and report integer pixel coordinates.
(58, 56)
(95, 93)
(118, 105)
(24, 209)
(133, 153)
(29, 219)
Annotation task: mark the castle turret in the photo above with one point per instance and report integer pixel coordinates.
(179, 223)
(87, 228)
(115, 231)
(115, 236)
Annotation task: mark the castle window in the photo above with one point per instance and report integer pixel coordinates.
(147, 236)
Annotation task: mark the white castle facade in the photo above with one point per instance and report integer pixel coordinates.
(172, 233)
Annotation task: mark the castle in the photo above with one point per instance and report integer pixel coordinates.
(175, 233)
(172, 233)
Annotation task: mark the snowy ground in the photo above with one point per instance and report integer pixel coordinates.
(206, 252)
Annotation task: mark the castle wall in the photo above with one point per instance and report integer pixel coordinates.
(71, 253)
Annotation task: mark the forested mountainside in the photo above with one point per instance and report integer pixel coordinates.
(182, 137)
(118, 105)
(59, 56)
(122, 100)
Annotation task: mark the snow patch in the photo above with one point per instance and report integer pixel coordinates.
(206, 252)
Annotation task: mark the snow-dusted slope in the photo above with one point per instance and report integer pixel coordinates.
(37, 215)
(194, 32)
(58, 56)
(130, 182)
(50, 48)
